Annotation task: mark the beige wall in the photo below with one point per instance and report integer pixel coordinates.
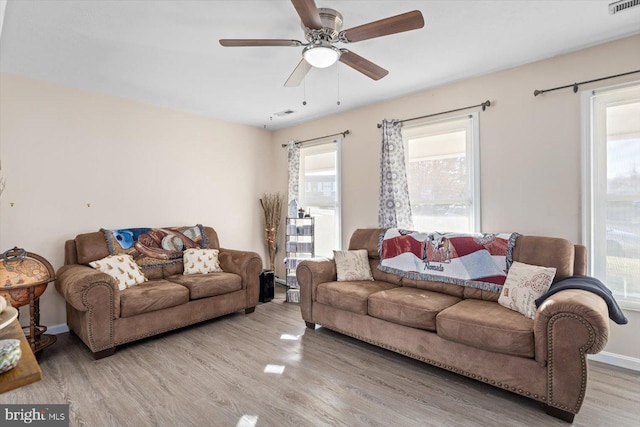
(135, 164)
(140, 165)
(530, 148)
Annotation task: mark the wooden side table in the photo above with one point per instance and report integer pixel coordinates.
(24, 276)
(27, 371)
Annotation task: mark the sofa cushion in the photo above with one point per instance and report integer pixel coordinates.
(367, 238)
(352, 265)
(201, 261)
(91, 246)
(208, 285)
(151, 296)
(525, 283)
(122, 268)
(487, 325)
(548, 252)
(173, 268)
(410, 306)
(350, 296)
(153, 273)
(381, 275)
(475, 293)
(441, 287)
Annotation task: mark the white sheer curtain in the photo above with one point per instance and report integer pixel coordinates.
(395, 208)
(293, 150)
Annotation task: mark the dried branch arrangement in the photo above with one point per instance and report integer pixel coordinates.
(272, 207)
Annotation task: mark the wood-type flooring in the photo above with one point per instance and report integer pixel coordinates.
(267, 369)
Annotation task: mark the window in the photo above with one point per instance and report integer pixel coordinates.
(443, 174)
(611, 173)
(320, 193)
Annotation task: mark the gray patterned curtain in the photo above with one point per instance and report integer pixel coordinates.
(395, 209)
(293, 150)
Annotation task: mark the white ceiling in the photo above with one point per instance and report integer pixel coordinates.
(166, 52)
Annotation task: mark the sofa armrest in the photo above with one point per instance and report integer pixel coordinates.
(586, 315)
(247, 265)
(569, 325)
(81, 286)
(310, 274)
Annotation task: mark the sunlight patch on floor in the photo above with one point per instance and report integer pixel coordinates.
(289, 337)
(247, 421)
(274, 369)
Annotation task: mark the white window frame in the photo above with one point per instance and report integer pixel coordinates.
(472, 153)
(594, 178)
(301, 188)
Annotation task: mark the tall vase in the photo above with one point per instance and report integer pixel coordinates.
(270, 236)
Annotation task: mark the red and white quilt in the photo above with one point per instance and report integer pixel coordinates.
(474, 260)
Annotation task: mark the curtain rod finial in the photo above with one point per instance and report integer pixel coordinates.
(537, 92)
(379, 125)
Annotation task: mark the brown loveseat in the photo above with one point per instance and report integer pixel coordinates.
(464, 329)
(104, 316)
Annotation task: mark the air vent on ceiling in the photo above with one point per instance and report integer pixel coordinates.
(622, 5)
(283, 113)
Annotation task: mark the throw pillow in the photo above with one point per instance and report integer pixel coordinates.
(525, 283)
(122, 268)
(352, 265)
(201, 261)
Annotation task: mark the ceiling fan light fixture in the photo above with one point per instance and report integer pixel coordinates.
(321, 55)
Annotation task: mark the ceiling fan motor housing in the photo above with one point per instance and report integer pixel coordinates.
(331, 26)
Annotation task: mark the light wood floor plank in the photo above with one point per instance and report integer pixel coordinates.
(213, 374)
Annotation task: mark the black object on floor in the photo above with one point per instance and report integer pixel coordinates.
(267, 285)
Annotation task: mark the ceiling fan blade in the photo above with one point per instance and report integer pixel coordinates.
(298, 74)
(365, 66)
(308, 13)
(259, 42)
(384, 27)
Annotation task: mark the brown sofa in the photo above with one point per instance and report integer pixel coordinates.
(465, 330)
(104, 316)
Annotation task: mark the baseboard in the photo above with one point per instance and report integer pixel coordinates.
(58, 329)
(614, 359)
(53, 330)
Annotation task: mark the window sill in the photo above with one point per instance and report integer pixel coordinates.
(626, 304)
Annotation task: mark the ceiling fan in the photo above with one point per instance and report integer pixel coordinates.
(322, 29)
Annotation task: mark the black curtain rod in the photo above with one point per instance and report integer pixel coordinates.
(345, 133)
(575, 85)
(484, 106)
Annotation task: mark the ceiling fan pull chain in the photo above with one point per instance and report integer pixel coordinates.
(304, 92)
(338, 80)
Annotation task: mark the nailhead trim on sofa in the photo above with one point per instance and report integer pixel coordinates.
(173, 327)
(439, 364)
(583, 361)
(90, 306)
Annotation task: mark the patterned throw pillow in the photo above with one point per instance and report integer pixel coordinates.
(352, 265)
(122, 268)
(525, 283)
(201, 261)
